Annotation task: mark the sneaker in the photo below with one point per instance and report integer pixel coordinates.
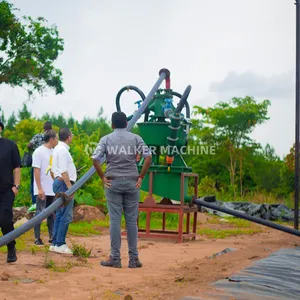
(63, 249)
(134, 263)
(113, 263)
(12, 255)
(32, 208)
(39, 242)
(52, 248)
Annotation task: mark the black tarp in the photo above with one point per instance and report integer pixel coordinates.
(272, 212)
(275, 277)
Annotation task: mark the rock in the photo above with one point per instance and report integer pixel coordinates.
(21, 222)
(87, 213)
(30, 215)
(5, 276)
(19, 213)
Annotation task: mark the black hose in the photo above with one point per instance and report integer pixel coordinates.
(134, 88)
(183, 100)
(247, 217)
(9, 237)
(126, 88)
(187, 106)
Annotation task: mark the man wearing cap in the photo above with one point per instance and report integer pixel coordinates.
(10, 176)
(122, 185)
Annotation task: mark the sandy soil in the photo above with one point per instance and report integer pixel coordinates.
(170, 270)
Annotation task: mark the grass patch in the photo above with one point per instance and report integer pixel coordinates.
(221, 234)
(172, 220)
(81, 250)
(25, 243)
(236, 226)
(236, 222)
(83, 228)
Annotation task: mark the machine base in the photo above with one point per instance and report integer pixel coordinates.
(184, 211)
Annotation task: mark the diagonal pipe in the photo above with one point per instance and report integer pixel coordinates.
(203, 203)
(163, 74)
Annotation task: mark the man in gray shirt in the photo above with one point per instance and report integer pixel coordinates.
(122, 185)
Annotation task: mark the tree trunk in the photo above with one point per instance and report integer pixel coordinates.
(241, 176)
(232, 171)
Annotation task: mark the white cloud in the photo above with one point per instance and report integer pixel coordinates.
(110, 44)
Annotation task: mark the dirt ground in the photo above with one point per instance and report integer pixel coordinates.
(170, 270)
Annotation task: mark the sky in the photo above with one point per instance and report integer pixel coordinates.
(222, 48)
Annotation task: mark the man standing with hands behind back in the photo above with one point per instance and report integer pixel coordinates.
(10, 176)
(122, 185)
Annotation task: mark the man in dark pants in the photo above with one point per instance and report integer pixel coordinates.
(122, 185)
(10, 175)
(41, 159)
(36, 141)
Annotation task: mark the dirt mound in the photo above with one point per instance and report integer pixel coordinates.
(87, 213)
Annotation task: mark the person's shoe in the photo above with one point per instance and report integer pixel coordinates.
(12, 255)
(32, 208)
(63, 249)
(39, 242)
(52, 248)
(113, 263)
(134, 263)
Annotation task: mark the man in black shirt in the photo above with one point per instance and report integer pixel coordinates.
(10, 175)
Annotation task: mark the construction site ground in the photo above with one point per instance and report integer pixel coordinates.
(170, 270)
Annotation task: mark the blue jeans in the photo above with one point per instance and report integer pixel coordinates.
(63, 216)
(121, 196)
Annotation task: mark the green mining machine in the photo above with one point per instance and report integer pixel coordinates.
(165, 130)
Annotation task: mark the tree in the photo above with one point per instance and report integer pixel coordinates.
(28, 50)
(228, 125)
(24, 113)
(11, 122)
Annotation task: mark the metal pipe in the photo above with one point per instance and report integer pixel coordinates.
(296, 200)
(164, 73)
(247, 217)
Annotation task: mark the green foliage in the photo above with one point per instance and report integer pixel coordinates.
(259, 174)
(227, 125)
(28, 49)
(81, 250)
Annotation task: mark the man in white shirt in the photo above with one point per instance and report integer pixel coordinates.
(43, 182)
(65, 175)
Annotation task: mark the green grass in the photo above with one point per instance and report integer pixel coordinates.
(25, 243)
(224, 233)
(239, 227)
(156, 221)
(236, 222)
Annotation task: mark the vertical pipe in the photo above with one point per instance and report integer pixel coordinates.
(296, 200)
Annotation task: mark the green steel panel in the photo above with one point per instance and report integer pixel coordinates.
(167, 184)
(156, 133)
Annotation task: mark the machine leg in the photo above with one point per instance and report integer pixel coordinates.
(180, 227)
(188, 223)
(195, 224)
(148, 222)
